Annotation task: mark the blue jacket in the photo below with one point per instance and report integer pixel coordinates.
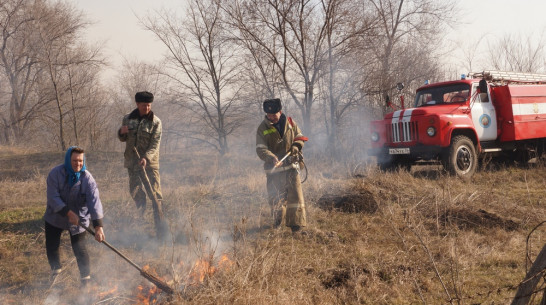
(82, 199)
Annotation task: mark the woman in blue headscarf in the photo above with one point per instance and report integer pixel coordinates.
(72, 199)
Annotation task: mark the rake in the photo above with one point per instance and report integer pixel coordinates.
(159, 283)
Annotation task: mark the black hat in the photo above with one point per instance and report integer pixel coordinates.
(144, 97)
(272, 105)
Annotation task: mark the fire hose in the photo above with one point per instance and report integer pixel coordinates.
(300, 165)
(159, 283)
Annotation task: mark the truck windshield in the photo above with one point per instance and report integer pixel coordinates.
(456, 93)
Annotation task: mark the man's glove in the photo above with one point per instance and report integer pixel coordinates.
(294, 150)
(270, 161)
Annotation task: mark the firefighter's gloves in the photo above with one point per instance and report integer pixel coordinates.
(294, 150)
(271, 160)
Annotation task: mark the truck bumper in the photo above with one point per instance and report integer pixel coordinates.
(415, 152)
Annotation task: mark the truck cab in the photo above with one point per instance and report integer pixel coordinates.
(455, 122)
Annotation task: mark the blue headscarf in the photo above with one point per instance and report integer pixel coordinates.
(72, 176)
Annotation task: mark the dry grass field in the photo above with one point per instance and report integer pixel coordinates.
(419, 237)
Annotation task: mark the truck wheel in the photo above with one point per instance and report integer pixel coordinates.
(461, 158)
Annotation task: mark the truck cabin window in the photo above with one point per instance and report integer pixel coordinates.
(458, 93)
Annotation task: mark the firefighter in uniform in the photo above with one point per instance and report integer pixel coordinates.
(141, 129)
(276, 136)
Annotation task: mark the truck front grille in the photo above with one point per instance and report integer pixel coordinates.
(402, 132)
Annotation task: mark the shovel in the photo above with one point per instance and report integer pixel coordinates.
(159, 283)
(160, 225)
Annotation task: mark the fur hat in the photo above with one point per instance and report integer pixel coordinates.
(144, 97)
(272, 105)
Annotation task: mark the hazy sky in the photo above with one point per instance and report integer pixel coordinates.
(501, 16)
(493, 19)
(116, 23)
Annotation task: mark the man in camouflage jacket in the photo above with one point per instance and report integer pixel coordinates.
(142, 129)
(276, 136)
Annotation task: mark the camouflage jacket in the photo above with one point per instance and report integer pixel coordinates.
(269, 142)
(145, 135)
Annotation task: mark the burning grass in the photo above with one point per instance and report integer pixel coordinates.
(377, 238)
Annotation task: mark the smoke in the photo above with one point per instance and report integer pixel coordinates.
(212, 204)
(52, 297)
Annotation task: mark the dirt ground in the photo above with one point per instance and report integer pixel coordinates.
(363, 202)
(467, 219)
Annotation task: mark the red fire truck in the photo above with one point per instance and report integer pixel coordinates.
(491, 113)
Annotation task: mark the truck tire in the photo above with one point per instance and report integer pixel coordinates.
(461, 158)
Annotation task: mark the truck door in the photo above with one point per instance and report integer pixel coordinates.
(483, 116)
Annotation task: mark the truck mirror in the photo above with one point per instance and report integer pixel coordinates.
(483, 86)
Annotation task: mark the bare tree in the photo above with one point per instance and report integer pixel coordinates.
(205, 69)
(522, 53)
(289, 35)
(39, 55)
(407, 41)
(137, 76)
(471, 51)
(18, 62)
(88, 112)
(346, 22)
(60, 55)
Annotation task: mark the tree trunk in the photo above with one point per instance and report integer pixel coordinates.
(59, 107)
(72, 99)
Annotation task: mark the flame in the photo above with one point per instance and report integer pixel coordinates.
(147, 296)
(94, 290)
(224, 262)
(149, 293)
(104, 294)
(203, 269)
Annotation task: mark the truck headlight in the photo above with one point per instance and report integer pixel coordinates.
(375, 136)
(431, 131)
